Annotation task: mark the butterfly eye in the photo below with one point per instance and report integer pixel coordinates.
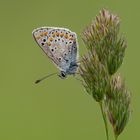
(62, 75)
(52, 50)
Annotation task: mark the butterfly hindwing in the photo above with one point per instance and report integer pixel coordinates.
(59, 44)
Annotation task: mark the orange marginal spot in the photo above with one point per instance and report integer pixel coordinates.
(49, 44)
(62, 34)
(50, 39)
(38, 37)
(71, 38)
(66, 36)
(57, 34)
(45, 33)
(53, 35)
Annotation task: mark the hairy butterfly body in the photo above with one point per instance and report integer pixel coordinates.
(61, 46)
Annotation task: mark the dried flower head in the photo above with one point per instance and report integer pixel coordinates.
(95, 76)
(118, 105)
(102, 35)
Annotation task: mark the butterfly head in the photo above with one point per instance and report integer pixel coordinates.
(62, 75)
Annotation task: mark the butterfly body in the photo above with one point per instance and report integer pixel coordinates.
(61, 46)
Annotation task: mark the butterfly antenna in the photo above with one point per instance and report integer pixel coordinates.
(45, 77)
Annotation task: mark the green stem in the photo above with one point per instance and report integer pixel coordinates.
(116, 136)
(104, 118)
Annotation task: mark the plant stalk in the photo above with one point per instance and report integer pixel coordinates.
(104, 118)
(116, 136)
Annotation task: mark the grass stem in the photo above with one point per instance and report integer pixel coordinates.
(116, 136)
(105, 119)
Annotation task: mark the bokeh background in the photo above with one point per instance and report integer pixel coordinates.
(58, 109)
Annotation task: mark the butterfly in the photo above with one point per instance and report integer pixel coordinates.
(61, 46)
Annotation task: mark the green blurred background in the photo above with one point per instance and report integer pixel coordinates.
(58, 109)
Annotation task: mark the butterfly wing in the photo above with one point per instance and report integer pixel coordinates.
(59, 44)
(41, 36)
